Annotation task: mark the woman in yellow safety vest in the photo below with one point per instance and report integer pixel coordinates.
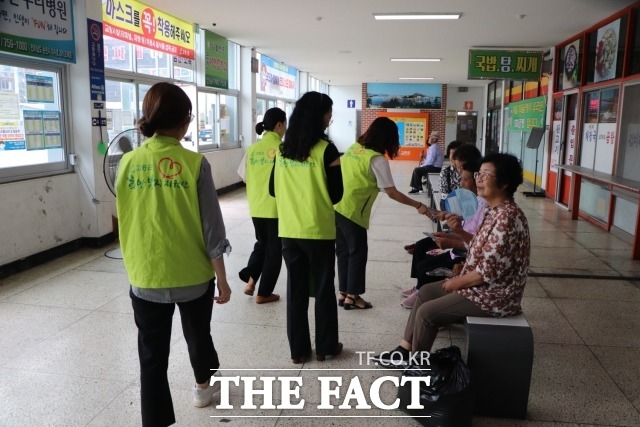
(173, 238)
(365, 171)
(266, 259)
(306, 184)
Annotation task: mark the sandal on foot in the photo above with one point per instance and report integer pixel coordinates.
(342, 296)
(354, 304)
(249, 289)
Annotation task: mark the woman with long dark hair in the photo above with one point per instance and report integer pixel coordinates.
(307, 183)
(365, 170)
(265, 261)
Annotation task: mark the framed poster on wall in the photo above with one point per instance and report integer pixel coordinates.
(413, 129)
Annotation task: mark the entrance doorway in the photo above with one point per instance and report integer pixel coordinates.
(467, 126)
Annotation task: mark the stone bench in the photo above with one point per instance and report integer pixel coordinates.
(500, 357)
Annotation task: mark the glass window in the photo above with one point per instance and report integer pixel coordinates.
(629, 147)
(153, 62)
(121, 107)
(595, 200)
(207, 110)
(606, 51)
(183, 69)
(599, 130)
(117, 54)
(32, 128)
(228, 120)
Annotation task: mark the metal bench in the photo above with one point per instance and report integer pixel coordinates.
(500, 357)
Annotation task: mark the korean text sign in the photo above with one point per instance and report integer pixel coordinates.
(216, 60)
(277, 79)
(38, 28)
(505, 64)
(527, 114)
(139, 24)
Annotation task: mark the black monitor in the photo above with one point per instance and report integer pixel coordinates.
(535, 137)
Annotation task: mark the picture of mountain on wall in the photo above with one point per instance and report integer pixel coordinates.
(402, 95)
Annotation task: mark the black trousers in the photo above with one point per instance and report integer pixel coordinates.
(352, 251)
(154, 335)
(419, 172)
(310, 268)
(266, 259)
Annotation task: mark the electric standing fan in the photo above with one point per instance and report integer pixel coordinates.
(124, 142)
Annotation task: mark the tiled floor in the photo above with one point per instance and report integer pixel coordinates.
(68, 342)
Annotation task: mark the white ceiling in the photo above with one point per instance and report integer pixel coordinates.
(339, 42)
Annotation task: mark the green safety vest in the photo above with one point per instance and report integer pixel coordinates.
(360, 187)
(159, 216)
(305, 210)
(260, 158)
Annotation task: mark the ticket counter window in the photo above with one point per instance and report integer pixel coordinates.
(32, 130)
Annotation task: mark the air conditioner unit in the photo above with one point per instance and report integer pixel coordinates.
(463, 89)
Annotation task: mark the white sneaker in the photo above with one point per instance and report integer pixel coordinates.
(202, 397)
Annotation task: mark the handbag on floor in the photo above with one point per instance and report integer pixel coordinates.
(448, 399)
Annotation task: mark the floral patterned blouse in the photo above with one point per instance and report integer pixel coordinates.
(499, 252)
(449, 181)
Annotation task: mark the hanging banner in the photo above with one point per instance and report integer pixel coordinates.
(505, 64)
(277, 79)
(527, 114)
(216, 62)
(139, 24)
(42, 29)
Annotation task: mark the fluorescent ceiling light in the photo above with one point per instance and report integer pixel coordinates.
(415, 78)
(415, 59)
(415, 15)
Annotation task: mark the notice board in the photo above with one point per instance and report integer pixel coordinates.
(413, 130)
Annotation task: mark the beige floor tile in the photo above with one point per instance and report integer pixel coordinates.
(570, 385)
(547, 322)
(623, 364)
(605, 323)
(600, 241)
(392, 275)
(104, 264)
(76, 289)
(552, 239)
(533, 289)
(23, 327)
(565, 258)
(39, 399)
(590, 289)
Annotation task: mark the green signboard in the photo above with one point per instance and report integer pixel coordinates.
(527, 114)
(216, 66)
(505, 64)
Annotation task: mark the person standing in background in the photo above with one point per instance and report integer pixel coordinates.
(365, 170)
(432, 163)
(266, 259)
(306, 184)
(173, 238)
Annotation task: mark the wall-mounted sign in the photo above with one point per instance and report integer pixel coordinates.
(216, 60)
(277, 79)
(42, 29)
(527, 114)
(505, 64)
(351, 103)
(96, 60)
(139, 24)
(468, 105)
(607, 51)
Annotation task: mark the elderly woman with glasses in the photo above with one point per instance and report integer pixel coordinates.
(492, 280)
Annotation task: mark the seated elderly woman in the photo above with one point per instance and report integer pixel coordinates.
(492, 280)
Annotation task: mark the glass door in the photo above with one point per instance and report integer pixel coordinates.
(566, 154)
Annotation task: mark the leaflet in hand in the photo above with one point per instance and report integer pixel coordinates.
(461, 202)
